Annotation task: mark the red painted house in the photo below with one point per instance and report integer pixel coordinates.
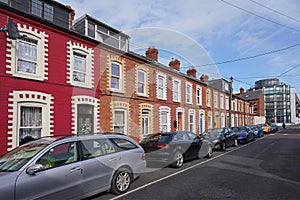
(48, 79)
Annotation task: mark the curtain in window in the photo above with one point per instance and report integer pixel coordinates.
(119, 122)
(79, 73)
(30, 122)
(27, 57)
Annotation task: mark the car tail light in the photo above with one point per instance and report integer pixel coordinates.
(163, 146)
(144, 156)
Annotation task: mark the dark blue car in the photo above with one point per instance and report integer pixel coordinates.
(244, 134)
(257, 130)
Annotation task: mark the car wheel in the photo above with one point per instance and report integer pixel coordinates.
(223, 146)
(121, 181)
(178, 160)
(209, 152)
(235, 142)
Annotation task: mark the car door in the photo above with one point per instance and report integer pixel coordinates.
(60, 177)
(100, 159)
(195, 145)
(229, 136)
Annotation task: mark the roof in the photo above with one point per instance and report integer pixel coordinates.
(94, 20)
(250, 95)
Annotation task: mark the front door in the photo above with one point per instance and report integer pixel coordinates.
(180, 121)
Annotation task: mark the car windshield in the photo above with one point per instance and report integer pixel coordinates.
(18, 157)
(213, 132)
(237, 129)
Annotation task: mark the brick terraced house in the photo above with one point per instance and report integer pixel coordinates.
(66, 77)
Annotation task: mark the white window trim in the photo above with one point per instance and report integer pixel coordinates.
(121, 82)
(76, 100)
(222, 101)
(146, 91)
(121, 105)
(89, 55)
(149, 107)
(125, 119)
(215, 100)
(227, 102)
(42, 54)
(179, 90)
(190, 85)
(168, 110)
(208, 98)
(192, 113)
(198, 88)
(164, 97)
(20, 98)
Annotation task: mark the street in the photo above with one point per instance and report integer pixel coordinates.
(268, 168)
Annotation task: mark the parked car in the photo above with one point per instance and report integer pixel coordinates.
(244, 134)
(274, 128)
(266, 128)
(221, 138)
(70, 167)
(173, 148)
(257, 130)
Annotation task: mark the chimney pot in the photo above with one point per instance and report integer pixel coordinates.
(175, 64)
(204, 78)
(152, 53)
(192, 72)
(242, 90)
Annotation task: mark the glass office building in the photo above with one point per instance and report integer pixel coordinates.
(277, 98)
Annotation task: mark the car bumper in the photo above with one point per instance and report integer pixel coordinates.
(241, 139)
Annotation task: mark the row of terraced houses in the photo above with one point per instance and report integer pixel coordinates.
(76, 77)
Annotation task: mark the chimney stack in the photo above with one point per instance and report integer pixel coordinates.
(72, 16)
(241, 90)
(192, 72)
(152, 53)
(204, 78)
(175, 64)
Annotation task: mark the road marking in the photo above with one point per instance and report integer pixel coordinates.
(285, 134)
(186, 169)
(272, 134)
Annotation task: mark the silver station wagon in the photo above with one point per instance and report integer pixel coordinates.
(70, 167)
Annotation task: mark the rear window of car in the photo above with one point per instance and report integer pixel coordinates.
(158, 138)
(124, 144)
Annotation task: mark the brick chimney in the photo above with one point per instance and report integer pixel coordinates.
(204, 78)
(72, 16)
(242, 90)
(192, 72)
(175, 64)
(152, 53)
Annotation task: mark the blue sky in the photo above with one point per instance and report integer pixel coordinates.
(202, 32)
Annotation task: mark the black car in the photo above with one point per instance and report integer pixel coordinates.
(274, 128)
(173, 148)
(221, 138)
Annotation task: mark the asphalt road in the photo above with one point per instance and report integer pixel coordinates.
(268, 168)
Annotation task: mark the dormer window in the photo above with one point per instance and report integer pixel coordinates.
(42, 9)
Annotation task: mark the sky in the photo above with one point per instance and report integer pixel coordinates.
(248, 40)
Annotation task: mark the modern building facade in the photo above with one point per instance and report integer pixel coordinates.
(279, 100)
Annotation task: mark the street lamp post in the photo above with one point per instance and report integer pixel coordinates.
(230, 100)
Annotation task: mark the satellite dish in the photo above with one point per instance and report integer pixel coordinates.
(11, 29)
(13, 32)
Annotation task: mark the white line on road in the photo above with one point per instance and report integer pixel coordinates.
(184, 170)
(285, 134)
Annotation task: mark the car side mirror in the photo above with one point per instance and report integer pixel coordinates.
(34, 169)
